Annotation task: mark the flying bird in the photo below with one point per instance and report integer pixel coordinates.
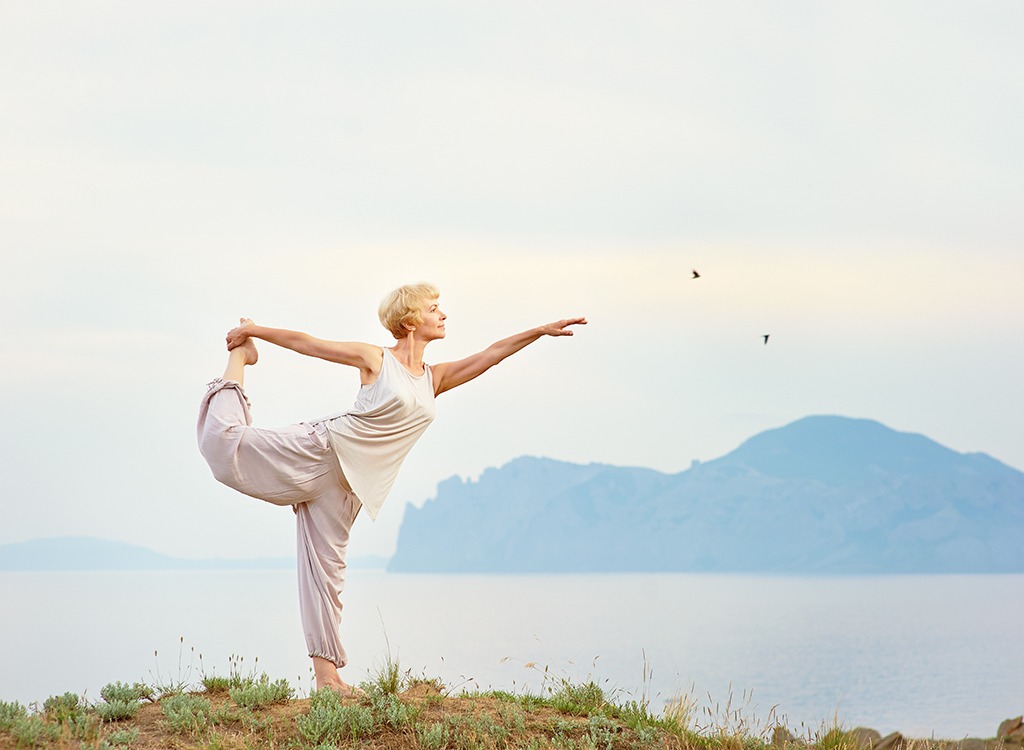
(695, 274)
(766, 337)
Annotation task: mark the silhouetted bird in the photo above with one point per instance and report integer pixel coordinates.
(766, 337)
(695, 274)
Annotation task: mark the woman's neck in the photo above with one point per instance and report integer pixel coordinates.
(409, 351)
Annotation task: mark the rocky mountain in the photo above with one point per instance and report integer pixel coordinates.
(823, 495)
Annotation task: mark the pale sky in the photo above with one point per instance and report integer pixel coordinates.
(846, 176)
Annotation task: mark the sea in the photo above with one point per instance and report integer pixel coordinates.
(927, 656)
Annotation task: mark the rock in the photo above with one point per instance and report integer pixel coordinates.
(1012, 730)
(894, 741)
(864, 738)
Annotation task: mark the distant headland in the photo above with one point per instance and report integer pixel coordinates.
(825, 495)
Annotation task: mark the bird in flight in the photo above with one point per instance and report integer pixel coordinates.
(766, 337)
(695, 274)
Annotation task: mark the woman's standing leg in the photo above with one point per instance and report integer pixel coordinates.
(322, 530)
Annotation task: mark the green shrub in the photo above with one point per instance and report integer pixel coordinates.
(262, 692)
(579, 700)
(34, 730)
(186, 713)
(513, 717)
(84, 727)
(388, 708)
(214, 684)
(117, 710)
(433, 737)
(62, 708)
(122, 691)
(602, 732)
(123, 737)
(11, 713)
(329, 720)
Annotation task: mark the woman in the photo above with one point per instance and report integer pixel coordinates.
(330, 468)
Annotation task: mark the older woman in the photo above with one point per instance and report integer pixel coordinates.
(330, 468)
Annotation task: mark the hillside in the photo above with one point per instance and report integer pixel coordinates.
(403, 713)
(823, 495)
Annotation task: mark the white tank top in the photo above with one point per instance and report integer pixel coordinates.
(373, 438)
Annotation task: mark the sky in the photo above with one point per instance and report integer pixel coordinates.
(847, 177)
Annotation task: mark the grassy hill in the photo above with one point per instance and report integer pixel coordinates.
(243, 712)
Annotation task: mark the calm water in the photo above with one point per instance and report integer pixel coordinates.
(922, 655)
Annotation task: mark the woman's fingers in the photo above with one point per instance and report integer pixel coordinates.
(561, 328)
(237, 335)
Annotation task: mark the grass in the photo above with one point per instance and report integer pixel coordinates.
(244, 712)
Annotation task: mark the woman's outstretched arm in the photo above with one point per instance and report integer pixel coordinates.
(353, 353)
(448, 375)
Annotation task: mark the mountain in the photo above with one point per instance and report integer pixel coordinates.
(88, 553)
(823, 495)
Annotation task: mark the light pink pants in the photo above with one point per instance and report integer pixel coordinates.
(295, 466)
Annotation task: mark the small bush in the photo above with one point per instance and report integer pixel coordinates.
(62, 708)
(513, 717)
(579, 700)
(214, 684)
(186, 713)
(388, 708)
(117, 710)
(85, 727)
(123, 737)
(602, 732)
(433, 737)
(235, 679)
(122, 691)
(11, 713)
(34, 730)
(330, 721)
(261, 693)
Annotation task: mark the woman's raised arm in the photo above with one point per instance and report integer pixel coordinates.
(355, 354)
(448, 375)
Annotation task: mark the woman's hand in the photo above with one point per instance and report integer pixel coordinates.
(448, 375)
(561, 327)
(240, 333)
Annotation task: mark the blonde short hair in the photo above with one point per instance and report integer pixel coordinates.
(402, 307)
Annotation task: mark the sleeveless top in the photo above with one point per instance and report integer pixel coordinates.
(373, 438)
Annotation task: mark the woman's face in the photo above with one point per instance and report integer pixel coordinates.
(432, 326)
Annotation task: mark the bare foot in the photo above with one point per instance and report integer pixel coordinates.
(249, 347)
(327, 677)
(251, 355)
(344, 689)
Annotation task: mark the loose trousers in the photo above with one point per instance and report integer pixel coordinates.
(296, 466)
